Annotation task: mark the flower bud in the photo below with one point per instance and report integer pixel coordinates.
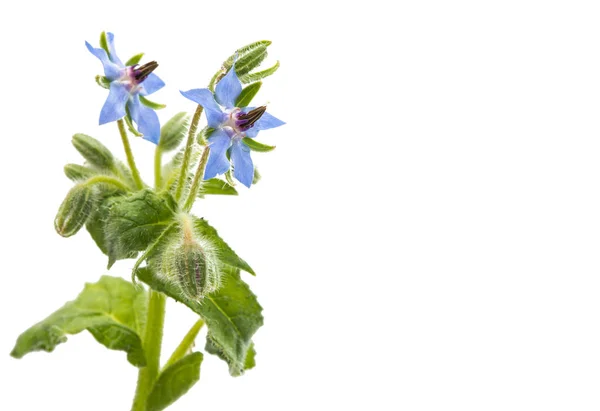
(192, 264)
(74, 210)
(94, 151)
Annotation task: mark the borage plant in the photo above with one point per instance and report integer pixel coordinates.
(182, 256)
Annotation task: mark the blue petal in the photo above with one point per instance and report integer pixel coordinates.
(145, 118)
(266, 122)
(152, 84)
(243, 169)
(205, 98)
(110, 39)
(217, 163)
(228, 89)
(111, 70)
(114, 107)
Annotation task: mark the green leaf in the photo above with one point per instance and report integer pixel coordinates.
(112, 310)
(256, 146)
(256, 177)
(174, 382)
(247, 95)
(134, 60)
(75, 172)
(250, 358)
(151, 104)
(232, 314)
(225, 253)
(173, 131)
(242, 51)
(216, 186)
(135, 221)
(259, 75)
(94, 151)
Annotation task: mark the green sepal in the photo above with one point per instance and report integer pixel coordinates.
(225, 253)
(130, 125)
(174, 381)
(215, 186)
(96, 153)
(103, 82)
(247, 94)
(104, 43)
(134, 60)
(256, 146)
(112, 310)
(259, 75)
(232, 314)
(151, 104)
(173, 131)
(204, 135)
(256, 178)
(135, 221)
(76, 172)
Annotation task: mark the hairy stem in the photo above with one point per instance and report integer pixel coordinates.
(186, 344)
(188, 152)
(107, 180)
(151, 343)
(198, 177)
(157, 168)
(134, 171)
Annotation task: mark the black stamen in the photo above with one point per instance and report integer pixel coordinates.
(141, 73)
(247, 120)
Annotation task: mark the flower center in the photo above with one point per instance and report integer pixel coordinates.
(239, 122)
(134, 75)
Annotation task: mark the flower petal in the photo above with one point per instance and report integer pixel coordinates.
(243, 168)
(145, 118)
(114, 106)
(205, 98)
(110, 39)
(111, 70)
(152, 84)
(217, 163)
(228, 89)
(265, 122)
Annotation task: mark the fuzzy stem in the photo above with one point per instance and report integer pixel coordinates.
(199, 176)
(157, 168)
(186, 344)
(151, 343)
(106, 180)
(134, 171)
(188, 152)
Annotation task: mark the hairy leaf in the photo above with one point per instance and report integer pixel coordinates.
(174, 382)
(112, 310)
(259, 75)
(232, 315)
(173, 131)
(96, 153)
(225, 253)
(135, 221)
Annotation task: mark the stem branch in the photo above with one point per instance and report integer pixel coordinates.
(186, 344)
(134, 171)
(198, 177)
(188, 151)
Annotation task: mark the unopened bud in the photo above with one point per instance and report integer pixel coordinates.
(94, 151)
(192, 264)
(74, 210)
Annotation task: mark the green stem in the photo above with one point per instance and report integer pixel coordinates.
(157, 168)
(199, 176)
(151, 343)
(134, 171)
(106, 180)
(188, 152)
(186, 344)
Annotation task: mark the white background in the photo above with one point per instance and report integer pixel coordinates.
(425, 235)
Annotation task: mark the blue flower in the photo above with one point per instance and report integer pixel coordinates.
(232, 124)
(127, 84)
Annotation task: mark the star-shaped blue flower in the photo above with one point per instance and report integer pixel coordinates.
(127, 83)
(232, 124)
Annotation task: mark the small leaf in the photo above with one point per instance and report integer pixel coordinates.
(135, 221)
(174, 382)
(151, 104)
(225, 253)
(256, 146)
(134, 60)
(250, 61)
(247, 95)
(112, 310)
(259, 75)
(94, 151)
(215, 186)
(173, 131)
(75, 172)
(232, 314)
(242, 51)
